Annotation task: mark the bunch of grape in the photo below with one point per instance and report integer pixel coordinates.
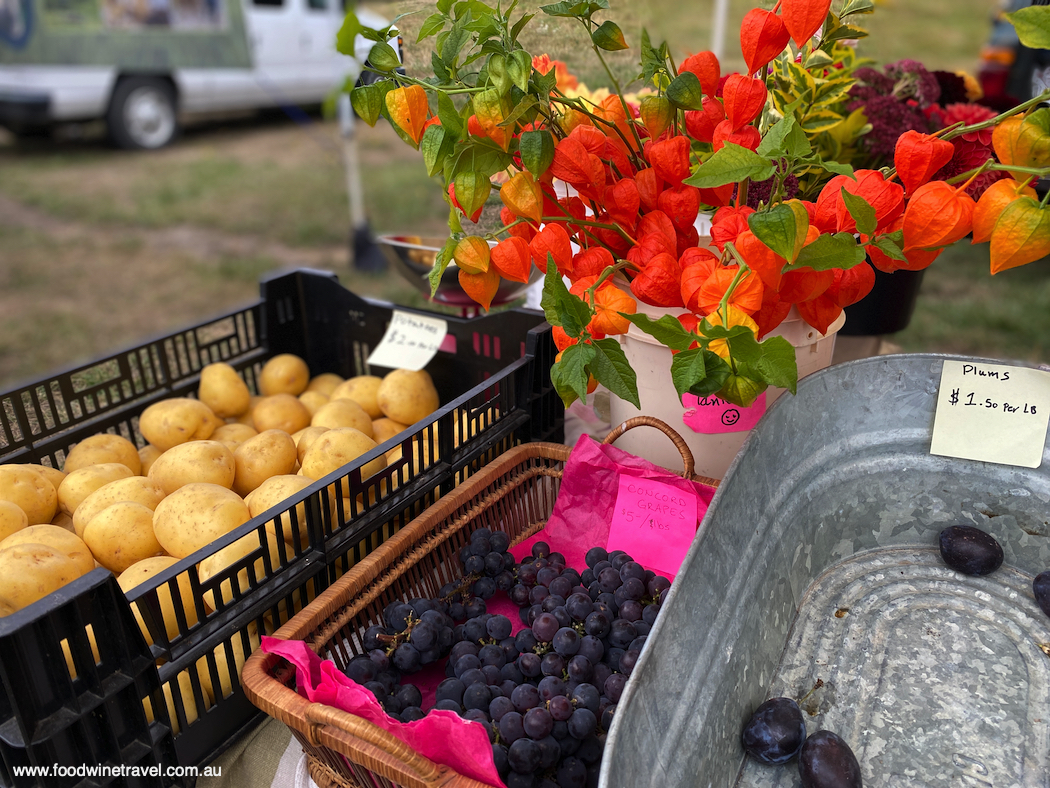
(546, 695)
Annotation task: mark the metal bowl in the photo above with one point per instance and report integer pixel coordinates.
(413, 256)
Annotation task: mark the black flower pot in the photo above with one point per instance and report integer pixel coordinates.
(887, 308)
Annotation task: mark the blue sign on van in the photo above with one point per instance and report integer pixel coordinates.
(16, 22)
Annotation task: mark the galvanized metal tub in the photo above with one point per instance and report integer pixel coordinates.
(818, 560)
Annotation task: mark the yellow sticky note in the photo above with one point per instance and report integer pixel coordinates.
(991, 412)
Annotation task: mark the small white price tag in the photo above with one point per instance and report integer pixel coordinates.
(992, 412)
(410, 341)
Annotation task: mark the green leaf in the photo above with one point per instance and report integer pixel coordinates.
(431, 25)
(838, 168)
(444, 6)
(818, 58)
(685, 91)
(667, 330)
(498, 75)
(519, 67)
(889, 248)
(383, 57)
(831, 251)
(820, 120)
(449, 116)
(348, 31)
(580, 10)
(843, 33)
(861, 211)
(731, 164)
(1032, 25)
(515, 31)
(537, 151)
(775, 142)
(453, 43)
(777, 228)
(561, 307)
(609, 37)
(740, 390)
(435, 146)
(776, 364)
(688, 370)
(367, 101)
(441, 261)
(569, 375)
(653, 62)
(528, 103)
(858, 7)
(441, 71)
(544, 83)
(611, 368)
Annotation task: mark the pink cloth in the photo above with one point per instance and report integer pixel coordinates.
(442, 736)
(584, 508)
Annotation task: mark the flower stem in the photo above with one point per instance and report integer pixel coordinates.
(987, 124)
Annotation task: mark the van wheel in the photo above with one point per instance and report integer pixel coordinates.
(142, 113)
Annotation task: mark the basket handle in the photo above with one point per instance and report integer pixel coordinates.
(319, 714)
(666, 429)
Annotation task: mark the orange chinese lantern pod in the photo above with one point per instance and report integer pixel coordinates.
(992, 204)
(1023, 141)
(523, 196)
(737, 317)
(659, 282)
(512, 259)
(571, 162)
(803, 18)
(591, 261)
(656, 113)
(408, 109)
(592, 138)
(488, 108)
(480, 287)
(727, 224)
(918, 156)
(622, 202)
(687, 237)
(681, 203)
(746, 137)
(804, 284)
(744, 97)
(553, 239)
(658, 222)
(820, 313)
(718, 197)
(706, 68)
(851, 285)
(701, 123)
(609, 302)
(830, 213)
(747, 296)
(649, 187)
(693, 277)
(561, 339)
(670, 159)
(472, 254)
(938, 214)
(649, 246)
(771, 314)
(523, 231)
(1021, 236)
(763, 36)
(455, 202)
(760, 259)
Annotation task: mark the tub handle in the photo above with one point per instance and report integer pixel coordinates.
(666, 429)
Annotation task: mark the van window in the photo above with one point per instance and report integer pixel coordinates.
(269, 3)
(317, 5)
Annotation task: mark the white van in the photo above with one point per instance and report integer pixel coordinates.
(141, 64)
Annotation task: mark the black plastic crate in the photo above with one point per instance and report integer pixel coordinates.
(495, 386)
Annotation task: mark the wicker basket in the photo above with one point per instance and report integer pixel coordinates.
(516, 494)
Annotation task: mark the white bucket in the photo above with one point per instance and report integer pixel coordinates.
(652, 362)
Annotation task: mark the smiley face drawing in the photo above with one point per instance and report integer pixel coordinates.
(730, 416)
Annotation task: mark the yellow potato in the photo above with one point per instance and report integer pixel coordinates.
(137, 489)
(121, 535)
(362, 390)
(31, 572)
(189, 701)
(270, 453)
(207, 462)
(343, 413)
(275, 491)
(64, 521)
(53, 475)
(306, 437)
(284, 374)
(280, 412)
(79, 484)
(103, 448)
(384, 429)
(238, 433)
(240, 655)
(196, 515)
(141, 571)
(30, 491)
(233, 553)
(222, 390)
(69, 544)
(148, 454)
(246, 418)
(12, 519)
(313, 400)
(171, 422)
(407, 396)
(68, 652)
(324, 383)
(334, 449)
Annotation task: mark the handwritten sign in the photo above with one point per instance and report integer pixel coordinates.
(410, 341)
(711, 415)
(654, 522)
(991, 412)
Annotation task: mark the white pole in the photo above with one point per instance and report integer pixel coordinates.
(718, 27)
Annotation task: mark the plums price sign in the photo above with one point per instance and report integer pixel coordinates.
(992, 412)
(654, 522)
(410, 341)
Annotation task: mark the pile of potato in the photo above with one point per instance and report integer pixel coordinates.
(210, 465)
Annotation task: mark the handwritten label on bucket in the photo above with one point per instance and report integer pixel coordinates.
(654, 522)
(991, 412)
(711, 415)
(410, 341)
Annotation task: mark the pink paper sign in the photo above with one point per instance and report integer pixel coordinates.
(654, 522)
(711, 415)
